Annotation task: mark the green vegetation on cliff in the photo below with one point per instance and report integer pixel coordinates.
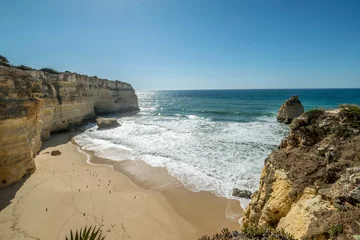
(49, 70)
(23, 67)
(260, 233)
(4, 61)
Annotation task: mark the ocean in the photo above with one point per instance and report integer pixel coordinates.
(211, 140)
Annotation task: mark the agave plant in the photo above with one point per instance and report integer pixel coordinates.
(88, 233)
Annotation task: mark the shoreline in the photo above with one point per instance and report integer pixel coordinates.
(219, 212)
(66, 192)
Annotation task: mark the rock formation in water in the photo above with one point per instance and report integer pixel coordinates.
(104, 123)
(292, 108)
(34, 103)
(310, 186)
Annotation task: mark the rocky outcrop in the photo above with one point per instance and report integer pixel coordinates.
(241, 193)
(292, 108)
(310, 186)
(34, 103)
(104, 123)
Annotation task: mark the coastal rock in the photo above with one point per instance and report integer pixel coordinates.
(55, 153)
(302, 221)
(309, 186)
(19, 139)
(104, 123)
(241, 193)
(292, 108)
(34, 104)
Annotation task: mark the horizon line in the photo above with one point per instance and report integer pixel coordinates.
(227, 89)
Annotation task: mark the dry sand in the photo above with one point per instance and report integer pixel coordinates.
(135, 201)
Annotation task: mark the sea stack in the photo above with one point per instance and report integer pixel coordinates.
(292, 108)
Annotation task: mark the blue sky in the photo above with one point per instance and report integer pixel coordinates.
(189, 44)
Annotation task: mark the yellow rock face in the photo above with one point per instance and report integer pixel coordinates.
(301, 220)
(279, 202)
(20, 142)
(274, 199)
(33, 104)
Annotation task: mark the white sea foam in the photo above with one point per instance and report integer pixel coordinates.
(204, 155)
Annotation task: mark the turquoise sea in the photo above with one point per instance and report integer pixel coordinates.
(213, 140)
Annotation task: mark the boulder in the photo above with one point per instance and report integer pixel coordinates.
(104, 123)
(55, 153)
(292, 108)
(241, 193)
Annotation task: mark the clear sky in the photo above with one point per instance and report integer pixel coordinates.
(189, 44)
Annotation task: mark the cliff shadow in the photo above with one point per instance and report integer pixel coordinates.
(8, 193)
(57, 139)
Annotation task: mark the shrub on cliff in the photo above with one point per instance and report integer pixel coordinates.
(224, 235)
(259, 233)
(314, 114)
(266, 233)
(4, 61)
(351, 114)
(350, 118)
(308, 118)
(23, 67)
(49, 70)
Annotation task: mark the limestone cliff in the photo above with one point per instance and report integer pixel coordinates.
(34, 103)
(310, 186)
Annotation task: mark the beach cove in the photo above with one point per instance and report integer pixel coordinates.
(136, 201)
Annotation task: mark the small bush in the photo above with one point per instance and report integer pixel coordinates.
(314, 114)
(4, 59)
(343, 131)
(351, 113)
(224, 235)
(335, 231)
(2, 63)
(266, 233)
(49, 70)
(23, 67)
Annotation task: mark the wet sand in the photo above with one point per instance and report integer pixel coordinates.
(128, 199)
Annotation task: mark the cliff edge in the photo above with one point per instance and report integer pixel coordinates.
(310, 186)
(34, 104)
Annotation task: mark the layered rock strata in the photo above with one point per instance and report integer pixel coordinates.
(310, 186)
(34, 104)
(292, 108)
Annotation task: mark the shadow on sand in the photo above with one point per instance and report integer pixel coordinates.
(61, 138)
(7, 194)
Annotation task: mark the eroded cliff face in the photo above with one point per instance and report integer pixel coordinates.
(33, 104)
(310, 186)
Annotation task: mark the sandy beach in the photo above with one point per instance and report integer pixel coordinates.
(128, 199)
